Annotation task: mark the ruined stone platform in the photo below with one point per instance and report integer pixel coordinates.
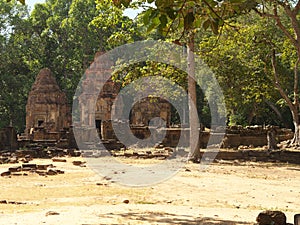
(277, 156)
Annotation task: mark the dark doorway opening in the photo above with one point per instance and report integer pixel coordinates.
(40, 123)
(98, 127)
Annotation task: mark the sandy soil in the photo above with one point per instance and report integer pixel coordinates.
(225, 193)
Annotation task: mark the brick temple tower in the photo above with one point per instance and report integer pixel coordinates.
(47, 107)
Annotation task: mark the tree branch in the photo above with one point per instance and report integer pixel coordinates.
(169, 29)
(296, 8)
(294, 22)
(279, 24)
(212, 10)
(216, 14)
(283, 28)
(285, 4)
(263, 14)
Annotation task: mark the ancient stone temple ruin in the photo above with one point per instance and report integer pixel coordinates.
(97, 104)
(146, 109)
(48, 116)
(47, 111)
(99, 92)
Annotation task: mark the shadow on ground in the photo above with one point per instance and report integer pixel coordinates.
(168, 218)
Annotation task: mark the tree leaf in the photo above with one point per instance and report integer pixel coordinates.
(214, 26)
(206, 24)
(154, 23)
(159, 3)
(163, 21)
(146, 16)
(171, 13)
(188, 20)
(126, 3)
(162, 4)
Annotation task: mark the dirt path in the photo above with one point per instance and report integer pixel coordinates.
(223, 194)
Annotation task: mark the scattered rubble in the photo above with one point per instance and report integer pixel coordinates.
(36, 151)
(42, 170)
(102, 184)
(159, 153)
(12, 202)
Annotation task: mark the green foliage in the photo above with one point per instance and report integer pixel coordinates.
(69, 33)
(241, 62)
(58, 34)
(64, 35)
(117, 28)
(184, 16)
(21, 1)
(14, 72)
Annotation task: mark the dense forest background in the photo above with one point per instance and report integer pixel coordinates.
(64, 35)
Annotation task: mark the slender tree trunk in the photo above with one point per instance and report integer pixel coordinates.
(293, 105)
(291, 11)
(295, 108)
(296, 138)
(193, 115)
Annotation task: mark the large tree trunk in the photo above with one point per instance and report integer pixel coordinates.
(193, 115)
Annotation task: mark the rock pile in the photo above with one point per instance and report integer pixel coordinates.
(160, 153)
(12, 202)
(36, 151)
(26, 168)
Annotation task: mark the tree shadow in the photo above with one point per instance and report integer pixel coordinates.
(168, 218)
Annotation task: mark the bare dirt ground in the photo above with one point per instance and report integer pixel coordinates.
(226, 193)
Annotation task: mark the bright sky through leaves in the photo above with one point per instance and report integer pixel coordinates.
(132, 13)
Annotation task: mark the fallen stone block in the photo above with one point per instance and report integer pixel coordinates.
(28, 169)
(6, 173)
(78, 163)
(59, 171)
(41, 173)
(17, 174)
(28, 165)
(28, 157)
(43, 167)
(13, 160)
(52, 213)
(54, 172)
(271, 217)
(51, 172)
(15, 169)
(58, 160)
